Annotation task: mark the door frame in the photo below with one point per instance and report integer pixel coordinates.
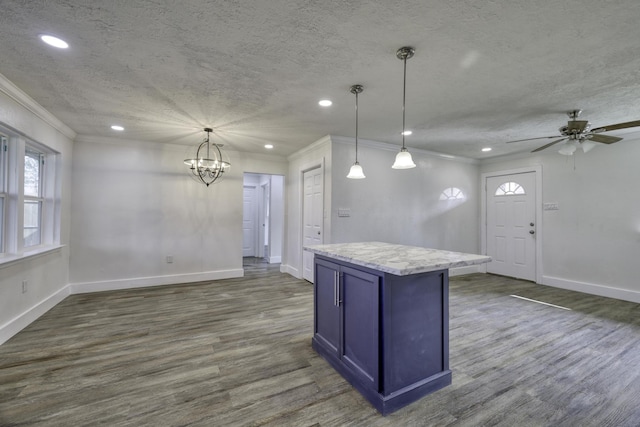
(307, 168)
(263, 224)
(537, 169)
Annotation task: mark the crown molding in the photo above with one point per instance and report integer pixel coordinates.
(15, 93)
(313, 146)
(394, 147)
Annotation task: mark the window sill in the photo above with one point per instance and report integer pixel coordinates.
(10, 259)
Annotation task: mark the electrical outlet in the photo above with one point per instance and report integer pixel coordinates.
(169, 259)
(25, 284)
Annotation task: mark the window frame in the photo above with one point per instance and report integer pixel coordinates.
(32, 151)
(12, 193)
(4, 167)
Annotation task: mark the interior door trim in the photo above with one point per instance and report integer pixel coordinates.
(308, 167)
(537, 169)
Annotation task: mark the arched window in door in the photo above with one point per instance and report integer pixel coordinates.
(509, 189)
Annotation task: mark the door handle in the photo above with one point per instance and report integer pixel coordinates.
(335, 288)
(318, 233)
(531, 232)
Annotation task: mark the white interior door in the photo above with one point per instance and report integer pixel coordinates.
(312, 208)
(511, 225)
(263, 221)
(249, 221)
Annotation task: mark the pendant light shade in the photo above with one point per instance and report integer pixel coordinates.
(356, 171)
(403, 158)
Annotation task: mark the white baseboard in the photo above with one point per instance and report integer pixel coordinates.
(469, 269)
(593, 289)
(141, 282)
(14, 326)
(285, 268)
(275, 259)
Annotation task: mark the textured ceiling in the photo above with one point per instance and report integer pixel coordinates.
(484, 71)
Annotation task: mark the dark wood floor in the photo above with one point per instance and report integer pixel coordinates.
(238, 352)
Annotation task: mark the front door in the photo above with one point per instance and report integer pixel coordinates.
(511, 225)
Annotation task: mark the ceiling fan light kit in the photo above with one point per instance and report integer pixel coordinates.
(578, 133)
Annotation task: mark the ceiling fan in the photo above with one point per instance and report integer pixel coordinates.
(580, 134)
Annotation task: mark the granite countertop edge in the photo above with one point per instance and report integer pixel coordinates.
(419, 264)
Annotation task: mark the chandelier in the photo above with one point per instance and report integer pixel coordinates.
(208, 165)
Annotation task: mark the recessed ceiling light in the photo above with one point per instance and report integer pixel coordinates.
(117, 127)
(486, 149)
(268, 146)
(406, 133)
(325, 103)
(54, 41)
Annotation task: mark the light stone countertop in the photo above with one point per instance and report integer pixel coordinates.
(400, 260)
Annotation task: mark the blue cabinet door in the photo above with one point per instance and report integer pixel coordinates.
(327, 305)
(360, 324)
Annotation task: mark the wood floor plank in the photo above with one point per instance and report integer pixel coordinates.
(237, 352)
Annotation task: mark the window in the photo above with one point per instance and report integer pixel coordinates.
(3, 189)
(28, 199)
(33, 200)
(509, 189)
(452, 193)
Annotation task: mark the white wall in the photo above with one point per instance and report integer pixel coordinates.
(592, 243)
(47, 274)
(403, 206)
(134, 205)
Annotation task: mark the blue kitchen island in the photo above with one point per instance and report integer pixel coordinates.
(381, 317)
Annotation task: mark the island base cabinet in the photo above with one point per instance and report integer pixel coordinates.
(385, 334)
(347, 327)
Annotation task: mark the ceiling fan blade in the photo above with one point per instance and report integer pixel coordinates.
(531, 139)
(605, 139)
(577, 126)
(617, 126)
(548, 145)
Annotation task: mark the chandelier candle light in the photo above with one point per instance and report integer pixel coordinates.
(208, 165)
(403, 158)
(356, 170)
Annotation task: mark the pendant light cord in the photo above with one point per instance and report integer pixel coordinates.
(356, 127)
(208, 156)
(404, 97)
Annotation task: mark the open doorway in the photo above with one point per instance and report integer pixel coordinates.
(262, 218)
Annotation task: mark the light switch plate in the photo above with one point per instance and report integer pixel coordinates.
(344, 212)
(551, 206)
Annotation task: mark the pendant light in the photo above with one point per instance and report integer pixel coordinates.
(356, 170)
(403, 158)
